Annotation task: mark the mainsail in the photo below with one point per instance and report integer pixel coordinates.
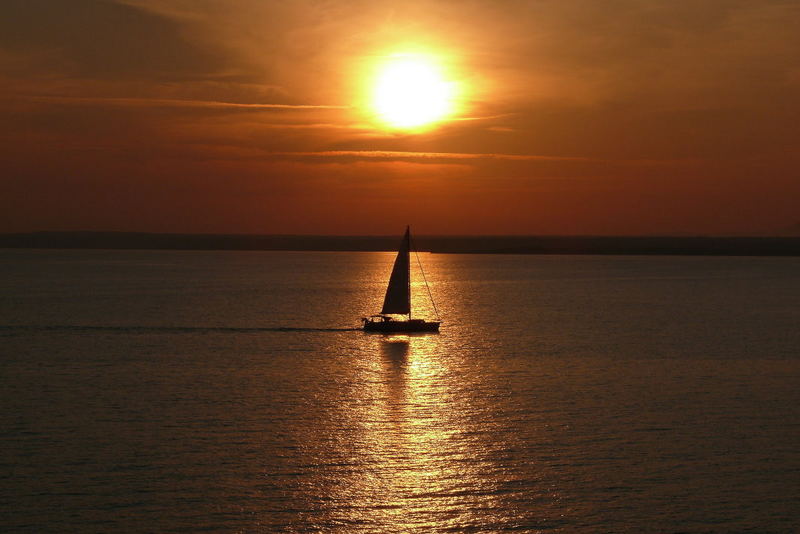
(398, 294)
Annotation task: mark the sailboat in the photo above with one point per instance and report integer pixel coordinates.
(398, 298)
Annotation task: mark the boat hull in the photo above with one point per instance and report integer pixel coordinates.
(414, 325)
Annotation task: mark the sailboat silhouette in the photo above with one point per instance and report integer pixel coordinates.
(398, 298)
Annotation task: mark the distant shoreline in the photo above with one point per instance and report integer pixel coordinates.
(601, 245)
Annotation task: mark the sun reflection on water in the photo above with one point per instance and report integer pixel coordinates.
(414, 435)
(423, 465)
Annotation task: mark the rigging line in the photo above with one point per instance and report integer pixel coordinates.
(408, 287)
(426, 281)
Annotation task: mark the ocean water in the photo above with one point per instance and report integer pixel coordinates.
(161, 391)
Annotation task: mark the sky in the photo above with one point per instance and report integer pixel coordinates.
(572, 117)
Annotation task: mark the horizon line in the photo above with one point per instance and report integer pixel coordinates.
(301, 235)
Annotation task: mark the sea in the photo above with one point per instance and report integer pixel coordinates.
(233, 391)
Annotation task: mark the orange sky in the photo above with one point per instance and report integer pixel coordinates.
(577, 117)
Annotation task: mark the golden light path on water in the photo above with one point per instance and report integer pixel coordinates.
(428, 462)
(424, 450)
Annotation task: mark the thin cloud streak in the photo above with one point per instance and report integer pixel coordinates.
(393, 155)
(390, 155)
(168, 102)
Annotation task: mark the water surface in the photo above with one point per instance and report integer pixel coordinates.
(229, 391)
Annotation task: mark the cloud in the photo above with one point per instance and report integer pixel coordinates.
(421, 157)
(175, 103)
(103, 40)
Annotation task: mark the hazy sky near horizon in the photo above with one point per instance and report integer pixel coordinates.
(247, 116)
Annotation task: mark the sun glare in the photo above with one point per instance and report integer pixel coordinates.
(411, 92)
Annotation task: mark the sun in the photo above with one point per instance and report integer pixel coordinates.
(411, 92)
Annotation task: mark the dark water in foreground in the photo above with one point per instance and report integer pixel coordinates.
(201, 391)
